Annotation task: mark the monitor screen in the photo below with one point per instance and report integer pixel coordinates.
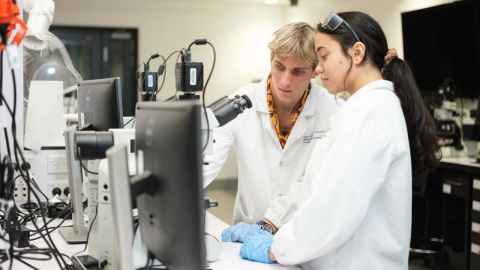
(441, 44)
(100, 104)
(172, 218)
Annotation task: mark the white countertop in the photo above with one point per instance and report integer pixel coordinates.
(229, 258)
(467, 161)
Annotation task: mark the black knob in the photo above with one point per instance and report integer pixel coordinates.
(57, 191)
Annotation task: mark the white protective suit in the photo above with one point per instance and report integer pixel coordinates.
(266, 172)
(359, 213)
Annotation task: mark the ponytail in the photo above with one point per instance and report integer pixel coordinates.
(424, 147)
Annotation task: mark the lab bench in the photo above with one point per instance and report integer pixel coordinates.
(460, 213)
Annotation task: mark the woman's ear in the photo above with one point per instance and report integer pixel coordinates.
(357, 52)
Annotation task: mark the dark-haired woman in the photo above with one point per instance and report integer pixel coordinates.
(358, 215)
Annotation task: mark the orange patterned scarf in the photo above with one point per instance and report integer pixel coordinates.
(283, 134)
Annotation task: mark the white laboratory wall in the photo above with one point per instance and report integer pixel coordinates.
(240, 31)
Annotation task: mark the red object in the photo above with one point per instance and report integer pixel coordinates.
(11, 24)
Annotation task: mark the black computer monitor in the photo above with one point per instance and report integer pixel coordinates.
(100, 104)
(172, 218)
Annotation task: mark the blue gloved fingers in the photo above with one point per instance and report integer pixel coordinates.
(227, 234)
(256, 247)
(244, 231)
(239, 232)
(230, 233)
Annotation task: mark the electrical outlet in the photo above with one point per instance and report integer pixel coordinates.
(20, 191)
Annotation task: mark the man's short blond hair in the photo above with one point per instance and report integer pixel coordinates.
(294, 39)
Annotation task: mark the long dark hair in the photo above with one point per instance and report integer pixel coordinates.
(424, 147)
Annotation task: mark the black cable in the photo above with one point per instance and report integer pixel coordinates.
(52, 229)
(128, 122)
(1, 71)
(50, 244)
(66, 256)
(35, 251)
(88, 232)
(203, 95)
(6, 141)
(147, 264)
(213, 65)
(22, 255)
(154, 96)
(3, 257)
(10, 251)
(36, 257)
(10, 183)
(27, 264)
(85, 168)
(7, 178)
(45, 254)
(18, 151)
(165, 71)
(17, 148)
(162, 73)
(150, 262)
(47, 239)
(172, 98)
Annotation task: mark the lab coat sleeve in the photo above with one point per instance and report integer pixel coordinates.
(342, 189)
(223, 140)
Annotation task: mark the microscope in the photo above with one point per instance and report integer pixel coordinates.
(446, 117)
(92, 146)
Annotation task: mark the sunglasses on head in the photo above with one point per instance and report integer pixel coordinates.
(334, 21)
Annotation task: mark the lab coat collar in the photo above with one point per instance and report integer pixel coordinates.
(308, 110)
(378, 84)
(261, 97)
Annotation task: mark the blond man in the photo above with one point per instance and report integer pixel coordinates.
(273, 140)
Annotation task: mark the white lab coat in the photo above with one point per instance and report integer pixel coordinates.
(359, 213)
(266, 172)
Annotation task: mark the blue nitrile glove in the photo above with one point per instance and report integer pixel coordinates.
(239, 232)
(256, 247)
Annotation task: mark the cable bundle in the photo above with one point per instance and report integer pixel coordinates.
(13, 166)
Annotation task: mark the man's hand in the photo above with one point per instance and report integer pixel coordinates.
(268, 226)
(239, 232)
(257, 247)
